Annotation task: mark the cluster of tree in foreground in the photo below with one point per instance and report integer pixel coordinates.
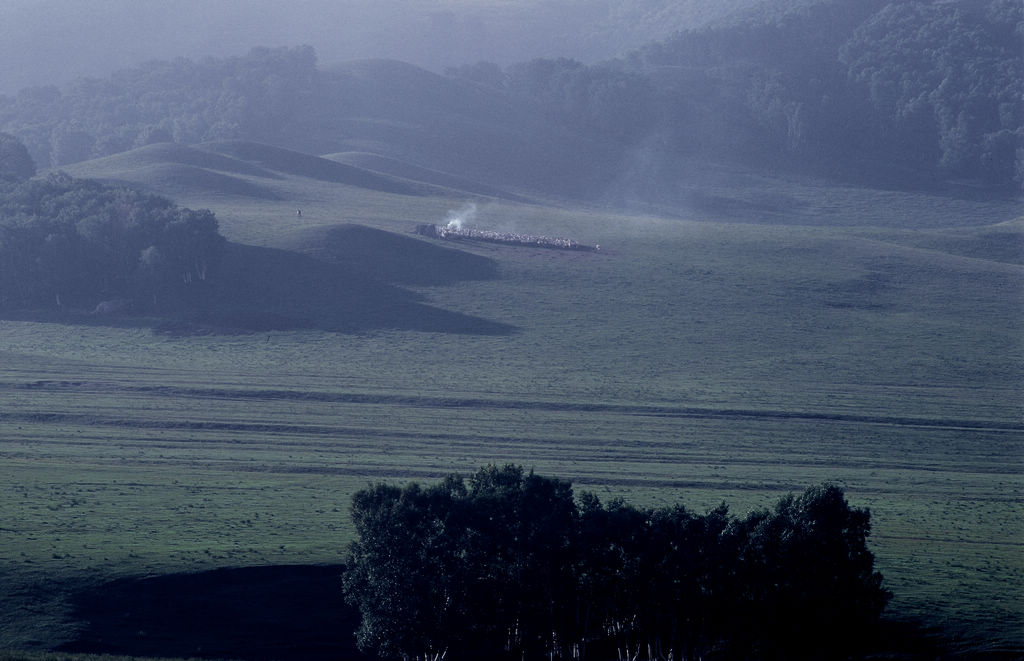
(511, 565)
(71, 243)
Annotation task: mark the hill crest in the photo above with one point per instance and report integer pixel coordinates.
(388, 256)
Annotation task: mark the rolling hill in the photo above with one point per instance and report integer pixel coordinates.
(233, 168)
(742, 332)
(781, 331)
(392, 128)
(263, 289)
(332, 276)
(804, 86)
(287, 161)
(406, 170)
(399, 111)
(175, 170)
(390, 257)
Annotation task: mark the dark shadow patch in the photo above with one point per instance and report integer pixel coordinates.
(298, 612)
(260, 289)
(265, 289)
(257, 613)
(872, 291)
(391, 257)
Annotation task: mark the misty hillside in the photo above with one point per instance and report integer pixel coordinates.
(237, 168)
(37, 35)
(79, 250)
(887, 93)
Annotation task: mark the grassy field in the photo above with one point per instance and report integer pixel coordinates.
(868, 338)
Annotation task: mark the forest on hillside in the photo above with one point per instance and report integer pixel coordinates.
(910, 90)
(906, 93)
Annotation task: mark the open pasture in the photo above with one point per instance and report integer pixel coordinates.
(685, 361)
(128, 474)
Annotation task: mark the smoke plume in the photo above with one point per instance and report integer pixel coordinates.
(458, 217)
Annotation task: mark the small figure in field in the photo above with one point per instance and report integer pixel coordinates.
(298, 213)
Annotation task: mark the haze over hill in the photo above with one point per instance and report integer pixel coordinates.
(228, 298)
(36, 36)
(886, 93)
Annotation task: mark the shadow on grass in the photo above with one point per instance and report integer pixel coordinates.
(391, 257)
(258, 613)
(265, 289)
(271, 289)
(298, 612)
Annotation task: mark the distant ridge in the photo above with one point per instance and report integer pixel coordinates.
(249, 169)
(174, 170)
(451, 125)
(172, 152)
(186, 178)
(406, 170)
(299, 164)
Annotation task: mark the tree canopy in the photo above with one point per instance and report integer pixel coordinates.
(950, 72)
(909, 90)
(509, 564)
(71, 243)
(15, 162)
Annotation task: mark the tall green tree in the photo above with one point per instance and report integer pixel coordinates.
(808, 582)
(521, 551)
(15, 162)
(407, 572)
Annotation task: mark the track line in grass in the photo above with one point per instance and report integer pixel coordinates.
(949, 540)
(520, 405)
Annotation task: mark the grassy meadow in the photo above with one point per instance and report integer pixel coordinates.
(870, 338)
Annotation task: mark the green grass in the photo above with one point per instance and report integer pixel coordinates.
(406, 170)
(686, 361)
(311, 167)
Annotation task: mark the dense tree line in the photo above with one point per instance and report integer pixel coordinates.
(908, 91)
(509, 564)
(15, 162)
(263, 95)
(919, 89)
(71, 244)
(949, 75)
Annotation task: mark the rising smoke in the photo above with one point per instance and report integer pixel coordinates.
(458, 227)
(458, 217)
